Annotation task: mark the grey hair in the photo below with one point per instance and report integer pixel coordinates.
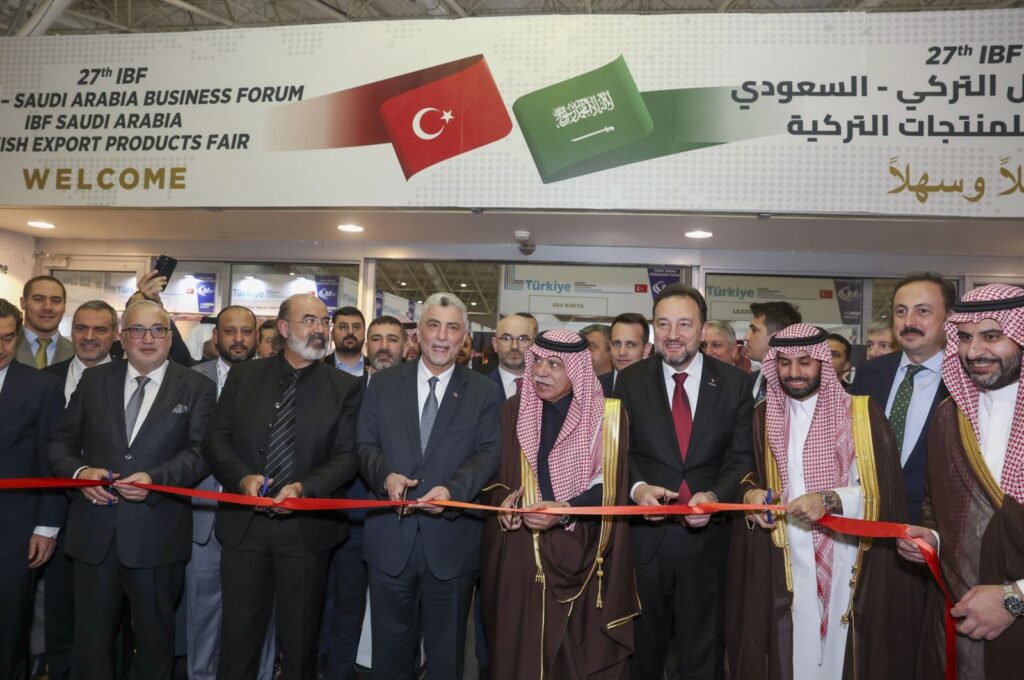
(146, 303)
(98, 306)
(881, 326)
(722, 327)
(449, 300)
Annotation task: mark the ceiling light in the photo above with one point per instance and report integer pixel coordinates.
(350, 228)
(462, 285)
(472, 304)
(249, 277)
(41, 225)
(699, 233)
(402, 283)
(291, 273)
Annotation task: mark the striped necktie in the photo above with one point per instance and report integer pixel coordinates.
(281, 450)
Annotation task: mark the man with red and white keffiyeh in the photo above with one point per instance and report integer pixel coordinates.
(549, 582)
(974, 512)
(809, 602)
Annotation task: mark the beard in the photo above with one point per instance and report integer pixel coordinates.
(226, 353)
(801, 392)
(682, 360)
(350, 345)
(1008, 372)
(382, 361)
(314, 348)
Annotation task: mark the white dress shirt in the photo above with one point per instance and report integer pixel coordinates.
(423, 385)
(3, 376)
(75, 371)
(691, 386)
(222, 374)
(156, 377)
(926, 384)
(508, 382)
(814, 662)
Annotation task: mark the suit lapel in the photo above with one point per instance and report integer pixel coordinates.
(662, 409)
(707, 402)
(411, 405)
(449, 405)
(114, 389)
(164, 399)
(881, 395)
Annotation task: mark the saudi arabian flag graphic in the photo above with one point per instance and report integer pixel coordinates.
(601, 120)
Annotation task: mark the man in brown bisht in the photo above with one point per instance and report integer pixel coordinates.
(975, 509)
(559, 593)
(804, 602)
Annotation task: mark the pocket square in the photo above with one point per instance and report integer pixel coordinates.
(180, 408)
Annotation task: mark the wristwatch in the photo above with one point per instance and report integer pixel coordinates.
(1012, 601)
(833, 505)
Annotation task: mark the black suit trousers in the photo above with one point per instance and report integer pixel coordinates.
(59, 612)
(271, 571)
(680, 586)
(16, 584)
(99, 597)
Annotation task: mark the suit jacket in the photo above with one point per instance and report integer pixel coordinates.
(202, 510)
(607, 381)
(157, 531)
(30, 403)
(495, 377)
(24, 354)
(720, 451)
(326, 409)
(462, 455)
(875, 378)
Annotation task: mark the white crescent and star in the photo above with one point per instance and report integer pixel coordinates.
(417, 123)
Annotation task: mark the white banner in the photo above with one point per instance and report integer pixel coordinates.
(902, 114)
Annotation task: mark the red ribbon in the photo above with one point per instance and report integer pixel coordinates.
(844, 525)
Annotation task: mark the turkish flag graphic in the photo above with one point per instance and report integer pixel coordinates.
(428, 116)
(445, 118)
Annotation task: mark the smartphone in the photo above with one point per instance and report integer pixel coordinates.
(164, 266)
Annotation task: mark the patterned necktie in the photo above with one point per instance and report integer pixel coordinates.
(41, 360)
(682, 419)
(281, 449)
(131, 411)
(519, 384)
(901, 404)
(428, 417)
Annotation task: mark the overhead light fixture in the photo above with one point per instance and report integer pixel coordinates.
(249, 277)
(419, 302)
(350, 228)
(402, 283)
(41, 225)
(472, 304)
(462, 285)
(699, 233)
(291, 273)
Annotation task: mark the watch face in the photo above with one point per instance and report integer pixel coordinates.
(1014, 605)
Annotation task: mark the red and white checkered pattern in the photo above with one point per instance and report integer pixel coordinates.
(965, 392)
(828, 451)
(575, 458)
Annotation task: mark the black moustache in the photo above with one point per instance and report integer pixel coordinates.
(910, 329)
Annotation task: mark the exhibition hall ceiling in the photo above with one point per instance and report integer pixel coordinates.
(144, 16)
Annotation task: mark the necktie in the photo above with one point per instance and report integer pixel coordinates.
(682, 419)
(131, 411)
(901, 404)
(519, 384)
(281, 449)
(41, 361)
(428, 417)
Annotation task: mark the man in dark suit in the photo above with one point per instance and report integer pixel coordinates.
(512, 338)
(284, 428)
(39, 340)
(30, 404)
(908, 385)
(140, 420)
(93, 332)
(349, 335)
(630, 343)
(234, 336)
(428, 431)
(690, 442)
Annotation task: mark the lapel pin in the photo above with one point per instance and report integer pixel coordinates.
(455, 395)
(712, 383)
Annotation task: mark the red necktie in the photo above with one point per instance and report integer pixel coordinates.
(682, 419)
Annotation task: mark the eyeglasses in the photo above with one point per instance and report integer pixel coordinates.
(507, 339)
(139, 332)
(311, 321)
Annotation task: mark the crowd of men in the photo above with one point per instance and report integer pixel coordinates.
(318, 405)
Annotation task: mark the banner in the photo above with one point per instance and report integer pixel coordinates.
(581, 291)
(206, 292)
(915, 114)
